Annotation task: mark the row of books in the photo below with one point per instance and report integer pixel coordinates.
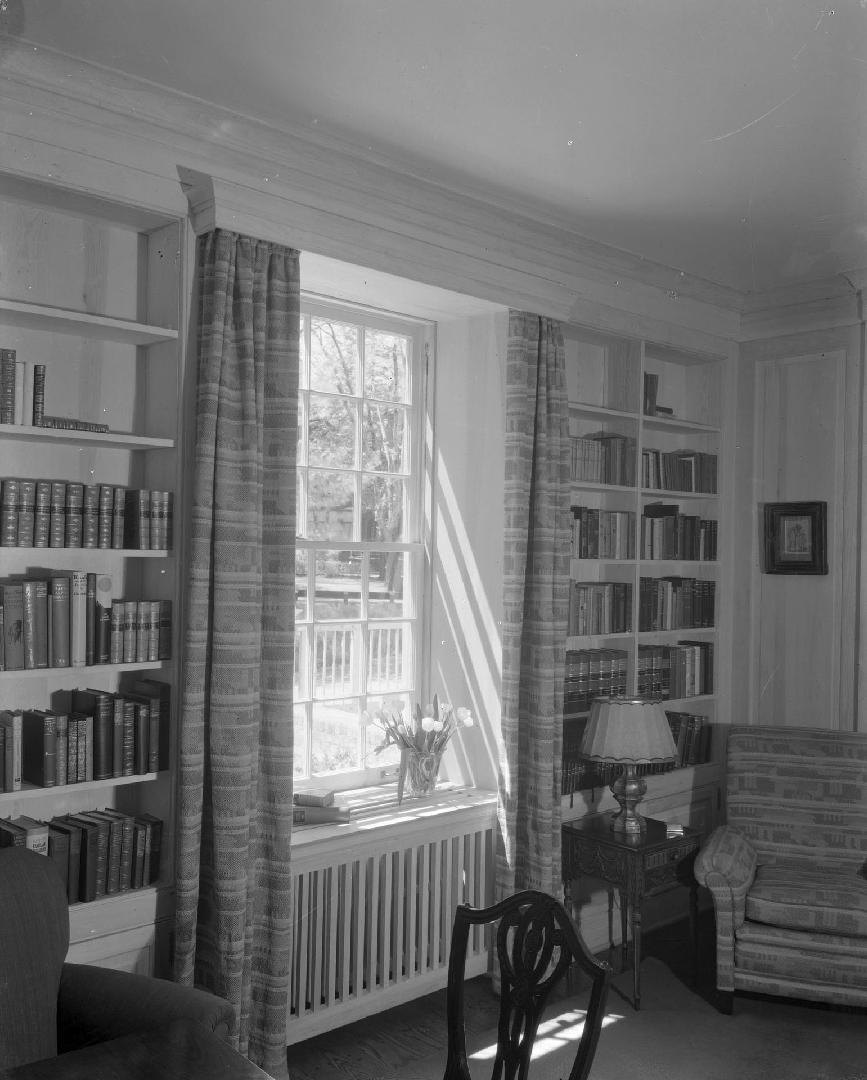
(666, 533)
(22, 390)
(592, 673)
(71, 619)
(679, 470)
(692, 737)
(675, 603)
(64, 513)
(606, 457)
(603, 607)
(602, 534)
(22, 397)
(97, 852)
(87, 734)
(675, 671)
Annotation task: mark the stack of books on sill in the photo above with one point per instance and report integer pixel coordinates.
(316, 806)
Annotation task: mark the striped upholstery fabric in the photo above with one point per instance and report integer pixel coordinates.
(803, 899)
(535, 606)
(788, 872)
(233, 918)
(799, 794)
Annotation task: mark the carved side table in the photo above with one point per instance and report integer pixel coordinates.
(636, 867)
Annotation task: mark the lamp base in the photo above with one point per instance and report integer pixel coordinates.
(629, 789)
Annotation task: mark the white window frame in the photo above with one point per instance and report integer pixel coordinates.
(416, 583)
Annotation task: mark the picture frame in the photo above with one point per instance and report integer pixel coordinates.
(795, 540)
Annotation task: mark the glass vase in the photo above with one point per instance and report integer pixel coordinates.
(419, 771)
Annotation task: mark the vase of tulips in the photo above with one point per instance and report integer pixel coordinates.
(421, 734)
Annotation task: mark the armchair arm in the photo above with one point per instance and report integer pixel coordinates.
(726, 864)
(96, 1004)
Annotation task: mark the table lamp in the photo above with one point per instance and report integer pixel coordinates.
(628, 732)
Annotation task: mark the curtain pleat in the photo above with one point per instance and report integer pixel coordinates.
(536, 602)
(233, 923)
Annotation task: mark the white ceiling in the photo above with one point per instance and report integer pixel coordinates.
(725, 138)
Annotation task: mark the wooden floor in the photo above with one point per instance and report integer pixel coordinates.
(380, 1045)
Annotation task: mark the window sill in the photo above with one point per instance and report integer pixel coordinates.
(375, 814)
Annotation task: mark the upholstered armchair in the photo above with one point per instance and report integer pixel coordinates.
(788, 870)
(48, 1006)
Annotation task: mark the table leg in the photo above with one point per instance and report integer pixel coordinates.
(636, 956)
(693, 928)
(610, 919)
(624, 927)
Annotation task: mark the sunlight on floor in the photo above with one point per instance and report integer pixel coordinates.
(552, 1035)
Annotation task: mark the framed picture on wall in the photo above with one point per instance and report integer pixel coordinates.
(795, 538)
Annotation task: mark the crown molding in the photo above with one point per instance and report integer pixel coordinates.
(804, 309)
(77, 124)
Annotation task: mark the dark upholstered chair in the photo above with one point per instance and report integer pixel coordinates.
(48, 1006)
(537, 943)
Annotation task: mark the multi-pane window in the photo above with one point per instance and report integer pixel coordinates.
(359, 558)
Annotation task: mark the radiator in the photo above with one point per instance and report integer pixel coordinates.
(373, 908)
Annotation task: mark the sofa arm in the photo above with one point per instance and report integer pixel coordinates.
(726, 864)
(96, 1004)
(726, 859)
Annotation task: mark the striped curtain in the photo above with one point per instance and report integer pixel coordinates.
(536, 601)
(235, 777)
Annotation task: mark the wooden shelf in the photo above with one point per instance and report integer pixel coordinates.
(120, 439)
(81, 323)
(31, 791)
(60, 672)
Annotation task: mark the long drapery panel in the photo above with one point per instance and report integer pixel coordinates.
(233, 923)
(536, 604)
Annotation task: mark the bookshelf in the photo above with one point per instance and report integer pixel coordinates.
(94, 291)
(646, 606)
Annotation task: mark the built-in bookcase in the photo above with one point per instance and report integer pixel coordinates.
(94, 291)
(646, 603)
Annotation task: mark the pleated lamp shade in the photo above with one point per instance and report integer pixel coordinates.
(628, 732)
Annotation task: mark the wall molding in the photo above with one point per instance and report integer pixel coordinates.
(79, 125)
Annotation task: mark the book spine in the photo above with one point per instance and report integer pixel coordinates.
(117, 525)
(103, 731)
(35, 623)
(57, 515)
(20, 375)
(9, 493)
(142, 738)
(90, 518)
(130, 636)
(26, 513)
(42, 514)
(128, 768)
(104, 629)
(61, 724)
(59, 610)
(117, 615)
(78, 618)
(74, 515)
(106, 516)
(12, 722)
(90, 622)
(117, 736)
(142, 630)
(319, 815)
(38, 394)
(165, 633)
(7, 386)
